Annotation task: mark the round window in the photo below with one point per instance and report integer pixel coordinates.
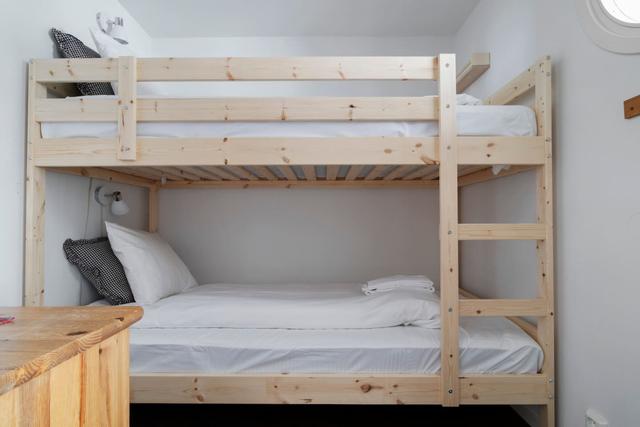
(624, 11)
(612, 24)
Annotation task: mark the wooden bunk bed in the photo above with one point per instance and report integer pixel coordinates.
(445, 162)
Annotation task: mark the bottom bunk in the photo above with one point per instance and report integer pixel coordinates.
(192, 348)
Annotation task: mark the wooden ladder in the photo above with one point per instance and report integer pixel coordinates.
(452, 232)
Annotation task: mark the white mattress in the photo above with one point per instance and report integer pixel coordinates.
(473, 120)
(488, 345)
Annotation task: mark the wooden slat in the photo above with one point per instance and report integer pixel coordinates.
(331, 389)
(240, 151)
(181, 172)
(146, 173)
(77, 70)
(503, 307)
(293, 68)
(293, 183)
(420, 173)
(220, 172)
(284, 389)
(488, 175)
(127, 109)
(375, 172)
(212, 69)
(399, 172)
(332, 172)
(477, 66)
(242, 173)
(108, 175)
(289, 173)
(504, 389)
(289, 151)
(527, 327)
(449, 352)
(354, 172)
(501, 232)
(265, 172)
(243, 109)
(486, 150)
(309, 172)
(517, 87)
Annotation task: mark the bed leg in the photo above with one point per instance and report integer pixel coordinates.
(548, 414)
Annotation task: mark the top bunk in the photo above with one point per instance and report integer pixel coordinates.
(150, 140)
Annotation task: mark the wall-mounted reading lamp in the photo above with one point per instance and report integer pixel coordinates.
(113, 27)
(118, 205)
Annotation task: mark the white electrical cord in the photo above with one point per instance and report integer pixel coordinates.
(84, 236)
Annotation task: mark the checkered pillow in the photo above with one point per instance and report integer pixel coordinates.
(71, 47)
(98, 264)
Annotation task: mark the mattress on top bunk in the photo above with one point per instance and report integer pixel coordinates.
(473, 120)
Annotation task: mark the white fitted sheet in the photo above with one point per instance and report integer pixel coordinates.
(487, 345)
(473, 120)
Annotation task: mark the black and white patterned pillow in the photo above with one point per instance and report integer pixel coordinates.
(100, 266)
(71, 47)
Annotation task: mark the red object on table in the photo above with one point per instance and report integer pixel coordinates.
(6, 319)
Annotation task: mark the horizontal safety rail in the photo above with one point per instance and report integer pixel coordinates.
(243, 109)
(286, 151)
(239, 68)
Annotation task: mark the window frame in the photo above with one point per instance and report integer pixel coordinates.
(606, 30)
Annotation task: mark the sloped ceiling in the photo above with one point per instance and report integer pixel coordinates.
(264, 18)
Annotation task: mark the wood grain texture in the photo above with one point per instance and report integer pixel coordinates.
(632, 107)
(127, 109)
(243, 68)
(449, 265)
(43, 337)
(89, 389)
(314, 109)
(478, 64)
(34, 202)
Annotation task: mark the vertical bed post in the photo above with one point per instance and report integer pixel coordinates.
(34, 202)
(448, 231)
(127, 84)
(153, 209)
(544, 248)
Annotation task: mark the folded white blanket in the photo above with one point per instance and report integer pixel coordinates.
(386, 284)
(291, 307)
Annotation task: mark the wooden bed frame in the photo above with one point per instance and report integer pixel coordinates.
(445, 162)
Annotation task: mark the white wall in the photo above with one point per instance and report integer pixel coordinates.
(70, 205)
(597, 202)
(24, 30)
(302, 235)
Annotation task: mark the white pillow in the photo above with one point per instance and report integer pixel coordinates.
(153, 269)
(108, 47)
(466, 99)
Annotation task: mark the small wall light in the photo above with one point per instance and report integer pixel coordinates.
(118, 206)
(113, 27)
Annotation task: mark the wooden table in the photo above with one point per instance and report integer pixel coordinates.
(65, 366)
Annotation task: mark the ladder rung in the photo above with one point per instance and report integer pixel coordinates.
(501, 232)
(503, 307)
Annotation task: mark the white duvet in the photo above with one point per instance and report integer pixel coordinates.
(339, 306)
